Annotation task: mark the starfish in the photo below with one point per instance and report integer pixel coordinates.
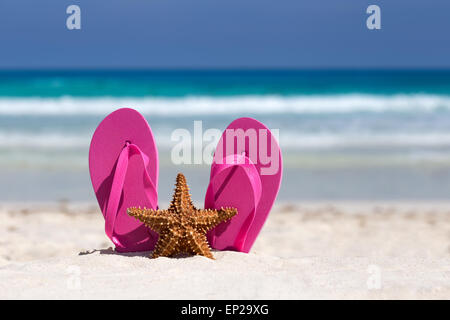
(182, 228)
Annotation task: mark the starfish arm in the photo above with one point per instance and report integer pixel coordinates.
(157, 220)
(181, 201)
(167, 245)
(198, 244)
(208, 219)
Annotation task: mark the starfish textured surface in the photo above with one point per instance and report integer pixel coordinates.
(182, 228)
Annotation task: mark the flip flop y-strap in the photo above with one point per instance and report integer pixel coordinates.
(117, 185)
(234, 162)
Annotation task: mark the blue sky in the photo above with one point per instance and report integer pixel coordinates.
(224, 34)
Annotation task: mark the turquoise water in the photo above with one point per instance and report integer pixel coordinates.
(344, 134)
(220, 83)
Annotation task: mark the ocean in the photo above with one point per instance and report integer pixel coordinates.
(344, 134)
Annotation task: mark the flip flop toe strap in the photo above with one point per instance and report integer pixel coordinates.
(117, 187)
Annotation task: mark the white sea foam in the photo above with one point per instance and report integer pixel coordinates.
(399, 136)
(372, 140)
(288, 139)
(53, 140)
(207, 105)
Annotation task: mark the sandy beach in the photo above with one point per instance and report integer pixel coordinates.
(310, 250)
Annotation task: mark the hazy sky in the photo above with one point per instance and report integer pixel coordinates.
(224, 34)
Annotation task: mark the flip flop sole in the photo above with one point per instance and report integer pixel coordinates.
(261, 147)
(112, 134)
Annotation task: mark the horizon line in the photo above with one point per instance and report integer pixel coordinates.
(222, 69)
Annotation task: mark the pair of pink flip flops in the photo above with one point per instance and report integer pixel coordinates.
(245, 174)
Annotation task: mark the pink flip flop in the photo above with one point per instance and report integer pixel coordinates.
(123, 163)
(245, 174)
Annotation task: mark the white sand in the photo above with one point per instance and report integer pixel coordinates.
(345, 250)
